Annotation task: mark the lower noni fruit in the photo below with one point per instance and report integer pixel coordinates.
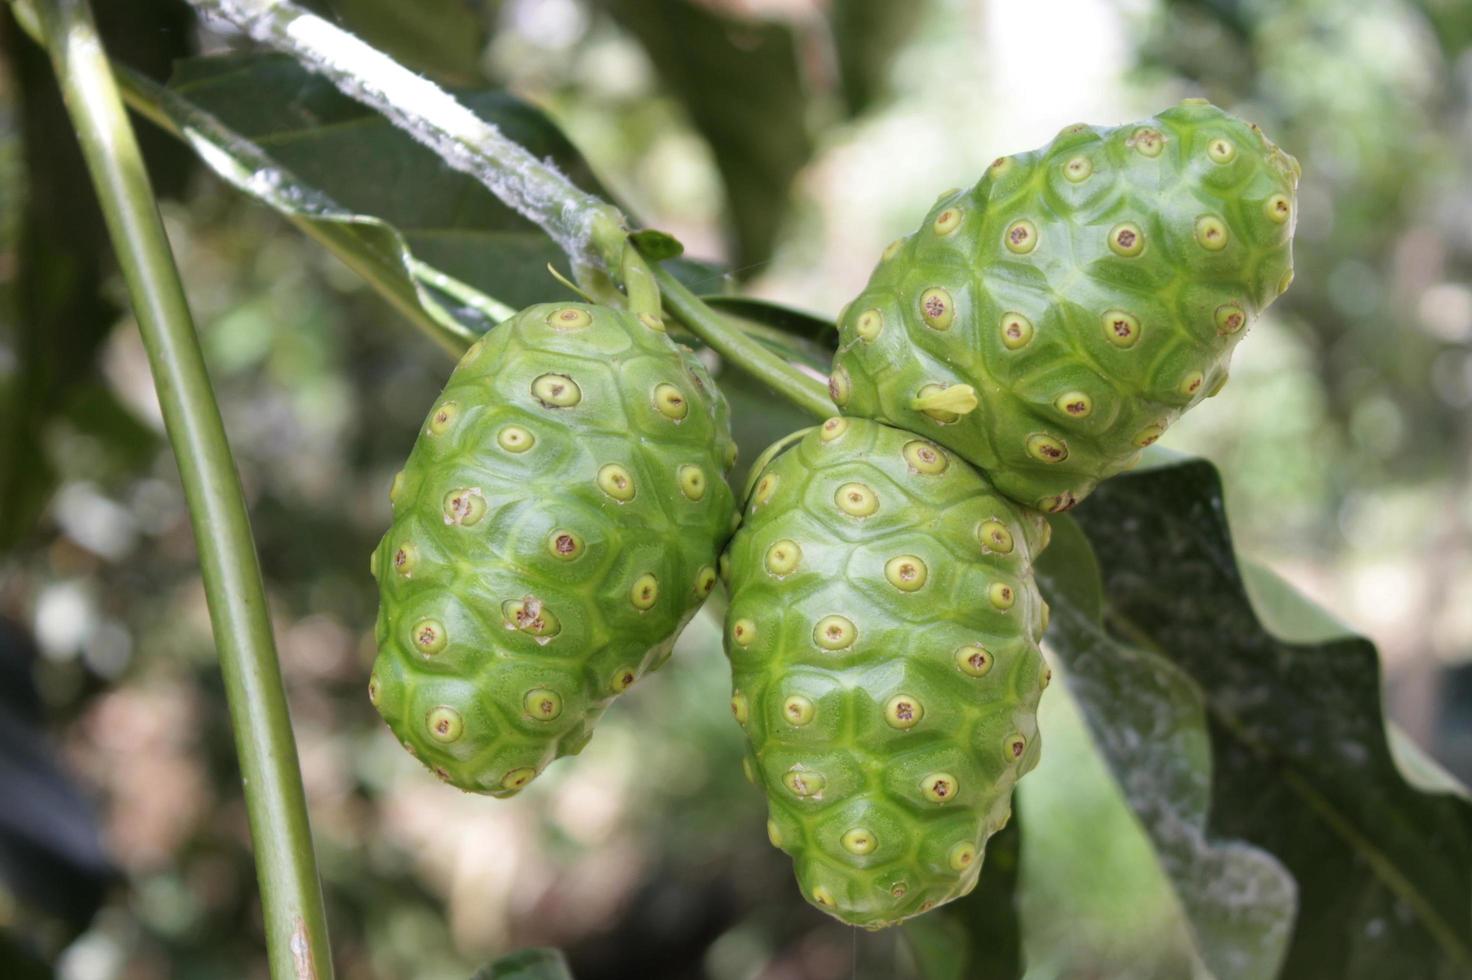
(557, 523)
(883, 636)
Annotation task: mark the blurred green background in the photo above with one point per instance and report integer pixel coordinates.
(826, 129)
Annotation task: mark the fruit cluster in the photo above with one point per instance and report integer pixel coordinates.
(563, 510)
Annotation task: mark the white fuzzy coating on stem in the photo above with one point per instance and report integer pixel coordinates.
(534, 188)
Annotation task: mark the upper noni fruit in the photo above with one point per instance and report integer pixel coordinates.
(557, 523)
(1058, 316)
(883, 636)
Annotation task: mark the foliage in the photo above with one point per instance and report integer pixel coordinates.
(1231, 741)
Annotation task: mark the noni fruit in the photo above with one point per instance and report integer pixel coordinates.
(1058, 316)
(557, 523)
(883, 636)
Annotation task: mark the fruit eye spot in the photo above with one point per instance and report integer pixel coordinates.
(515, 439)
(906, 573)
(1046, 449)
(938, 787)
(1021, 237)
(556, 391)
(617, 482)
(1001, 596)
(644, 592)
(542, 704)
(1147, 142)
(804, 783)
(1121, 329)
(994, 536)
(856, 500)
(937, 309)
(1211, 233)
(798, 710)
(835, 632)
(903, 712)
(839, 387)
(1016, 331)
(445, 724)
(569, 318)
(464, 507)
(832, 429)
(670, 402)
(1229, 318)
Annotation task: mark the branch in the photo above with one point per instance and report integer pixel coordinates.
(536, 189)
(291, 897)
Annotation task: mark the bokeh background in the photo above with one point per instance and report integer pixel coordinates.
(1345, 440)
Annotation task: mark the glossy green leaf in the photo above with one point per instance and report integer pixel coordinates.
(1258, 765)
(327, 156)
(437, 245)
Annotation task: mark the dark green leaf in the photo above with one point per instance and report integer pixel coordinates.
(527, 964)
(739, 80)
(441, 37)
(1248, 756)
(867, 35)
(430, 238)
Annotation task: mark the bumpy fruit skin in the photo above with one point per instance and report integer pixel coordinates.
(557, 523)
(1090, 292)
(883, 637)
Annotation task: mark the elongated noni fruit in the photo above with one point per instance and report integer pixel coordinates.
(1055, 318)
(883, 637)
(557, 523)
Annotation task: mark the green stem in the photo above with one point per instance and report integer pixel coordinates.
(787, 381)
(291, 897)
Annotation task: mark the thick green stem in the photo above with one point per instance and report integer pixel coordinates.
(747, 354)
(296, 928)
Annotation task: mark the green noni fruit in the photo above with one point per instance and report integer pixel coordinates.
(557, 523)
(1058, 316)
(883, 636)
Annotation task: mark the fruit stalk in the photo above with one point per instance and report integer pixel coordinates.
(296, 927)
(734, 345)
